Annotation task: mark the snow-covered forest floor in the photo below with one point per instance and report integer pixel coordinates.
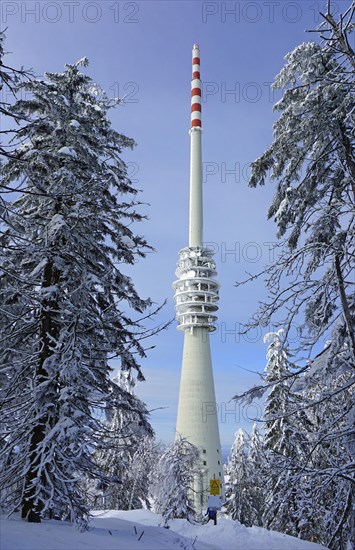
(139, 529)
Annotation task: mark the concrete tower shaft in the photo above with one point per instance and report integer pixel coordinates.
(196, 297)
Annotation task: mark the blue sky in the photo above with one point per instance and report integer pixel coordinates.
(142, 50)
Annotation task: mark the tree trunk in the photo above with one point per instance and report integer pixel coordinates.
(345, 306)
(31, 508)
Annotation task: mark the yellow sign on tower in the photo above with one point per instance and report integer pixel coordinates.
(215, 487)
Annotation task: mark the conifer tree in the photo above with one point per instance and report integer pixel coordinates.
(237, 494)
(127, 452)
(10, 79)
(285, 438)
(325, 480)
(311, 282)
(173, 481)
(65, 300)
(257, 474)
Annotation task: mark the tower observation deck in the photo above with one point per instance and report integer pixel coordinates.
(196, 290)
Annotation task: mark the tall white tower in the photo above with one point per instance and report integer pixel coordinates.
(196, 297)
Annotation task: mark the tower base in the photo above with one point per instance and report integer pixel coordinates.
(197, 412)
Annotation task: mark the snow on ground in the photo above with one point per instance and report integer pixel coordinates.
(118, 530)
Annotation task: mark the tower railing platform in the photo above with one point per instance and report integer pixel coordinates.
(196, 290)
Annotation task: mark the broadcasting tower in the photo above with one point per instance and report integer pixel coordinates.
(196, 297)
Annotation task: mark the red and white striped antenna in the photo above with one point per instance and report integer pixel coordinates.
(196, 89)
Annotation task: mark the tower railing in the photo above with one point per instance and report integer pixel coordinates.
(196, 290)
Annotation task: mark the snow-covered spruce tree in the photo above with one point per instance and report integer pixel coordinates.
(126, 455)
(237, 493)
(64, 300)
(312, 159)
(286, 426)
(257, 474)
(174, 476)
(329, 497)
(311, 282)
(142, 464)
(10, 79)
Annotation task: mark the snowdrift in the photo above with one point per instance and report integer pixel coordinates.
(140, 530)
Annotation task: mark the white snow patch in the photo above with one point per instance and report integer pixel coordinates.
(68, 151)
(118, 530)
(56, 224)
(282, 207)
(127, 241)
(47, 290)
(38, 267)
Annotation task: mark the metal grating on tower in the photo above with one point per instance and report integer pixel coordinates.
(196, 290)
